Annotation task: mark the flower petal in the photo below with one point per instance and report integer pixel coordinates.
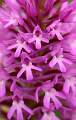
(36, 68)
(26, 108)
(11, 112)
(46, 100)
(53, 62)
(2, 88)
(21, 72)
(56, 102)
(19, 114)
(12, 46)
(29, 75)
(67, 61)
(66, 87)
(18, 51)
(38, 44)
(61, 66)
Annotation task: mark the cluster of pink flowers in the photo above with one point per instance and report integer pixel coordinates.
(38, 60)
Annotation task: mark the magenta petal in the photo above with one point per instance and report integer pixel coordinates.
(53, 62)
(27, 109)
(46, 100)
(61, 95)
(2, 88)
(38, 44)
(18, 51)
(36, 68)
(12, 46)
(57, 102)
(61, 66)
(66, 87)
(20, 72)
(45, 40)
(59, 36)
(11, 112)
(27, 49)
(67, 61)
(29, 75)
(36, 94)
(19, 114)
(45, 117)
(31, 40)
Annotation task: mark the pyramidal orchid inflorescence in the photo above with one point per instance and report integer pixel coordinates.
(38, 60)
